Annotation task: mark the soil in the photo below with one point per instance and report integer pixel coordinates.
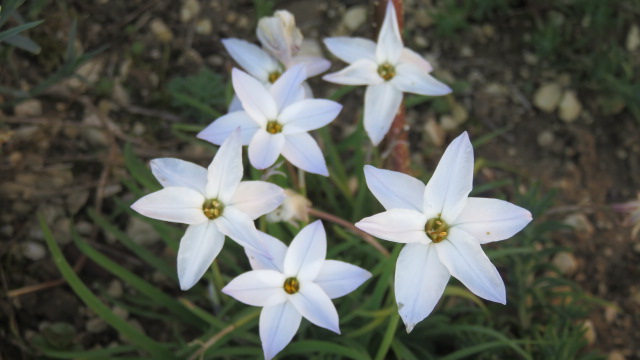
(62, 152)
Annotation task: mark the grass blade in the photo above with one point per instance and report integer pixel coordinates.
(141, 340)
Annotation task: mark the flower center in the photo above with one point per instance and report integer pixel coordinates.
(274, 127)
(274, 76)
(212, 208)
(291, 285)
(436, 229)
(386, 71)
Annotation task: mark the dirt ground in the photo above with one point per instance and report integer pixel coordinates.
(62, 152)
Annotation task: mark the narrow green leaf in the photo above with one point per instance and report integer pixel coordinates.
(24, 43)
(139, 169)
(107, 353)
(141, 340)
(139, 250)
(388, 336)
(159, 297)
(18, 29)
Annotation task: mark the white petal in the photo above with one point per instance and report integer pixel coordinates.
(339, 278)
(394, 189)
(221, 128)
(351, 49)
(278, 324)
(265, 148)
(251, 58)
(361, 72)
(314, 304)
(175, 204)
(241, 229)
(307, 252)
(256, 99)
(381, 103)
(420, 281)
(490, 220)
(389, 47)
(176, 172)
(198, 248)
(286, 90)
(258, 288)
(446, 193)
(410, 78)
(466, 261)
(303, 151)
(256, 198)
(226, 170)
(308, 114)
(277, 251)
(235, 105)
(412, 57)
(399, 225)
(314, 65)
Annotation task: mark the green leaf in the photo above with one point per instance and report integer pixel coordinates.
(24, 43)
(159, 297)
(136, 337)
(139, 169)
(139, 250)
(18, 29)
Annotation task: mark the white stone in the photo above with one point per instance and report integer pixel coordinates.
(189, 10)
(33, 251)
(31, 107)
(570, 107)
(633, 38)
(355, 17)
(565, 262)
(161, 30)
(547, 97)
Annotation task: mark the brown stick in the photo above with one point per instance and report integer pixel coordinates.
(398, 137)
(366, 237)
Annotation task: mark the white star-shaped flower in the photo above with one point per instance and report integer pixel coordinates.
(443, 229)
(388, 68)
(293, 283)
(213, 202)
(276, 121)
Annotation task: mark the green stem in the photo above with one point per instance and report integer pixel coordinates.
(388, 337)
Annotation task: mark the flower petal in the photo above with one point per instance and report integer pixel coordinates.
(221, 128)
(381, 103)
(287, 89)
(256, 198)
(314, 304)
(351, 49)
(258, 288)
(198, 248)
(339, 278)
(256, 99)
(490, 220)
(361, 72)
(175, 204)
(466, 261)
(226, 170)
(180, 173)
(420, 281)
(303, 151)
(412, 79)
(307, 252)
(277, 251)
(264, 149)
(235, 104)
(251, 58)
(278, 324)
(314, 65)
(241, 229)
(389, 47)
(308, 114)
(446, 193)
(412, 57)
(399, 225)
(394, 189)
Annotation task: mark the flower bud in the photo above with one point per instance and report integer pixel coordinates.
(294, 207)
(279, 35)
